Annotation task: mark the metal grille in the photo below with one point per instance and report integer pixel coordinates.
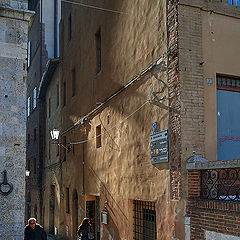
(227, 82)
(221, 184)
(144, 220)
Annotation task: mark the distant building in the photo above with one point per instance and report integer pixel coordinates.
(14, 21)
(49, 95)
(43, 44)
(115, 56)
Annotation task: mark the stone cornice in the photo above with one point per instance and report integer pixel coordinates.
(198, 163)
(19, 14)
(216, 6)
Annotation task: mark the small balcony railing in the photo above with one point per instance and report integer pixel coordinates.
(221, 184)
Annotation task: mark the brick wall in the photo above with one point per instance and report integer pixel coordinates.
(174, 100)
(210, 215)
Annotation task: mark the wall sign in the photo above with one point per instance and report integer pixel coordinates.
(159, 147)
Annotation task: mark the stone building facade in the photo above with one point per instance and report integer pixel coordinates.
(14, 22)
(127, 66)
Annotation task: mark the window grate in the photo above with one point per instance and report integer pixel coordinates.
(144, 226)
(228, 83)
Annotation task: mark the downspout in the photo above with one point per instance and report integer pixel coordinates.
(55, 28)
(83, 165)
(41, 190)
(41, 44)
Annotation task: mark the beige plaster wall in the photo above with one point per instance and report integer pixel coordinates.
(130, 42)
(221, 54)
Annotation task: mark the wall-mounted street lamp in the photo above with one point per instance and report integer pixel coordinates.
(54, 134)
(55, 137)
(27, 173)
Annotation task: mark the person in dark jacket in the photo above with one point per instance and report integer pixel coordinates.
(34, 231)
(84, 230)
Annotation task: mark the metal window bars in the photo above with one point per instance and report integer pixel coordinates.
(144, 226)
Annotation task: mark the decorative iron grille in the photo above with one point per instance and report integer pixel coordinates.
(144, 220)
(221, 184)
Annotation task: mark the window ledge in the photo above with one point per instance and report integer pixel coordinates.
(198, 163)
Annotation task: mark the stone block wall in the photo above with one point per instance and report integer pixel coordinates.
(13, 52)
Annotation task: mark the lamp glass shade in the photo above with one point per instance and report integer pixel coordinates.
(54, 134)
(27, 173)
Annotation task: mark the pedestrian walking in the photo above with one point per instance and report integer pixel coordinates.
(84, 230)
(34, 231)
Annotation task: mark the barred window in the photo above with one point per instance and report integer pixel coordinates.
(228, 83)
(144, 225)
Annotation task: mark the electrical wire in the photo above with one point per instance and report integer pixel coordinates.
(109, 129)
(131, 82)
(94, 7)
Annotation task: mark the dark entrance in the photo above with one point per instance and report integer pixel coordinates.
(90, 213)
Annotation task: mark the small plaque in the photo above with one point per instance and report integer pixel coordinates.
(209, 80)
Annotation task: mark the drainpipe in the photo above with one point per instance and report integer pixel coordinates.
(41, 190)
(55, 28)
(83, 165)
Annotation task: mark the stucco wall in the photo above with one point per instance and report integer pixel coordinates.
(130, 42)
(13, 52)
(221, 51)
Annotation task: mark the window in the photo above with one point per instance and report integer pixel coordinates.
(35, 165)
(49, 150)
(234, 2)
(49, 107)
(28, 139)
(35, 134)
(34, 98)
(57, 146)
(69, 27)
(73, 149)
(67, 201)
(144, 220)
(64, 94)
(28, 106)
(64, 149)
(228, 114)
(29, 165)
(57, 90)
(98, 48)
(29, 54)
(73, 82)
(35, 211)
(98, 136)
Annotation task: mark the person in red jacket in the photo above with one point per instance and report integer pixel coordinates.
(34, 231)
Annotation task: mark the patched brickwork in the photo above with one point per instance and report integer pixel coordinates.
(174, 100)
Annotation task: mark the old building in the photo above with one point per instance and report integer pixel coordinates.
(14, 21)
(148, 120)
(43, 44)
(49, 96)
